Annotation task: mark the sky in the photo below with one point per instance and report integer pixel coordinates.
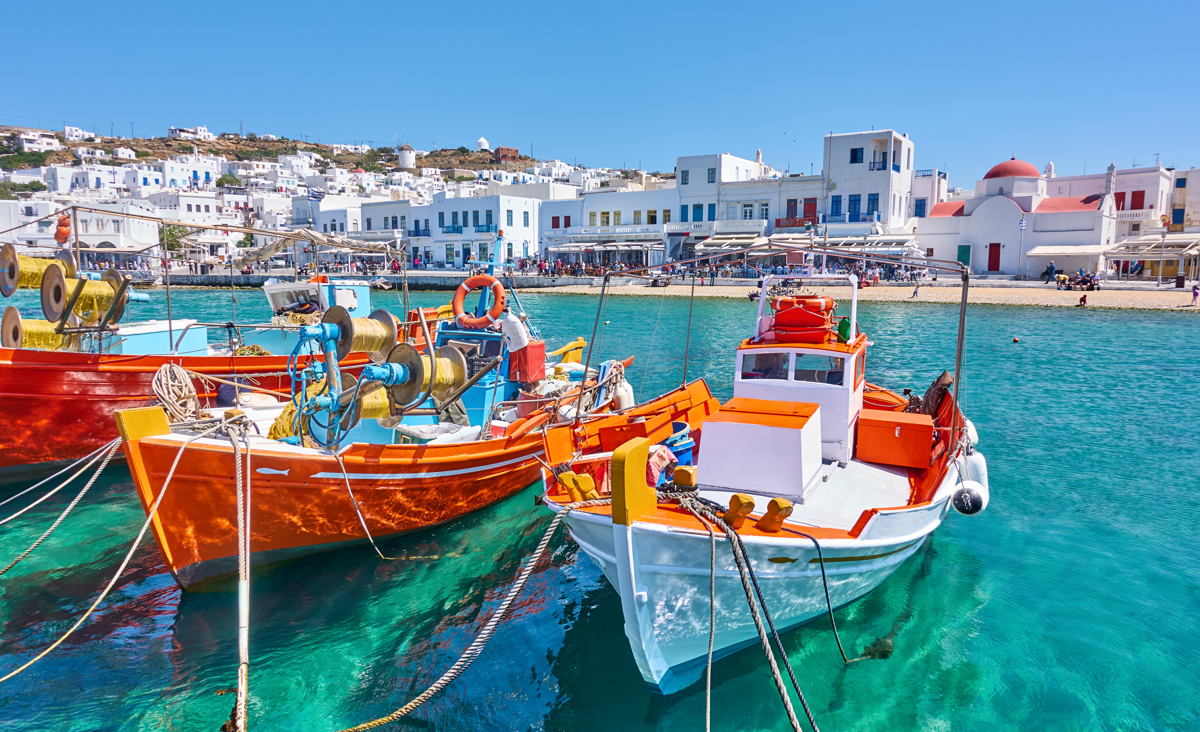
(630, 84)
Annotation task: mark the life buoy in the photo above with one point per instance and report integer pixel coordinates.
(476, 283)
(320, 279)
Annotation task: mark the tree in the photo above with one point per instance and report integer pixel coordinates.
(246, 241)
(463, 149)
(170, 236)
(228, 179)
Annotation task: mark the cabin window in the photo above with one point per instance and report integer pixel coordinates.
(860, 368)
(818, 369)
(765, 366)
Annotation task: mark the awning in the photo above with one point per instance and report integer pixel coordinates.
(1078, 250)
(1157, 248)
(728, 242)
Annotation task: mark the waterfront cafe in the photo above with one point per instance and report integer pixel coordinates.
(629, 253)
(893, 245)
(1157, 255)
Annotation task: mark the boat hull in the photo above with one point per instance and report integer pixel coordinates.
(58, 405)
(299, 498)
(662, 575)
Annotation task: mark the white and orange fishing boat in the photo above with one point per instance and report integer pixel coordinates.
(825, 478)
(416, 441)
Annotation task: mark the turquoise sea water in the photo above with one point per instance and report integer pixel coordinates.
(1072, 603)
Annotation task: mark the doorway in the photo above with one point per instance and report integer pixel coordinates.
(993, 264)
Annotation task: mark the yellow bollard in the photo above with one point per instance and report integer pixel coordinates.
(777, 510)
(740, 506)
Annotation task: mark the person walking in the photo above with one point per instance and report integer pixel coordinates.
(1195, 294)
(1051, 270)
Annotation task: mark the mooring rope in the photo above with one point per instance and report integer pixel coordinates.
(241, 482)
(60, 471)
(702, 512)
(124, 562)
(90, 462)
(354, 502)
(489, 629)
(62, 516)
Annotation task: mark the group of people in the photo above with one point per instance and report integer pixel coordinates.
(1081, 280)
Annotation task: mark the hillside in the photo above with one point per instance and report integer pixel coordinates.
(250, 147)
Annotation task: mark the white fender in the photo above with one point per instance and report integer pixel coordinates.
(972, 433)
(971, 497)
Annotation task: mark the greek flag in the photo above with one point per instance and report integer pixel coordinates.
(1021, 225)
(315, 194)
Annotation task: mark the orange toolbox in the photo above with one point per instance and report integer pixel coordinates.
(895, 438)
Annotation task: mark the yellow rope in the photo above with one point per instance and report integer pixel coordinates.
(39, 334)
(30, 270)
(369, 335)
(284, 424)
(252, 349)
(94, 301)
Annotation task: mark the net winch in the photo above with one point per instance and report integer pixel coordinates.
(18, 271)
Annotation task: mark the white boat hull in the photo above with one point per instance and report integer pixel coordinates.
(663, 577)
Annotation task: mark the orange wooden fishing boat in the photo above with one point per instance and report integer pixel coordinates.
(303, 500)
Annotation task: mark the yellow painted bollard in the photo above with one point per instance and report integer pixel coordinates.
(777, 510)
(740, 506)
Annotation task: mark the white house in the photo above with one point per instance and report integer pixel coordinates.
(199, 132)
(1014, 225)
(76, 134)
(38, 141)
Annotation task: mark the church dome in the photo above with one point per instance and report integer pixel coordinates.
(1013, 168)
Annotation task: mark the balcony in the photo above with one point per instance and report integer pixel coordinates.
(706, 228)
(792, 222)
(850, 218)
(877, 165)
(1140, 214)
(418, 232)
(484, 228)
(451, 229)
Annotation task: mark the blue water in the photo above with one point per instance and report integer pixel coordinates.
(1071, 604)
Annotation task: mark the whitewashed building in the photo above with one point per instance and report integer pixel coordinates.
(1016, 223)
(37, 141)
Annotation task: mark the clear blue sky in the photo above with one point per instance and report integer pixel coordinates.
(630, 83)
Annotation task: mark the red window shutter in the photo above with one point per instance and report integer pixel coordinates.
(1121, 201)
(553, 222)
(1137, 200)
(566, 222)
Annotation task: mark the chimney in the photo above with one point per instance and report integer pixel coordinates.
(758, 156)
(1110, 181)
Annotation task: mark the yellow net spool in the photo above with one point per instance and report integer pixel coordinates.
(375, 334)
(17, 332)
(374, 405)
(20, 272)
(95, 300)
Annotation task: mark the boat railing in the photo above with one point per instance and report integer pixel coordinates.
(850, 278)
(226, 325)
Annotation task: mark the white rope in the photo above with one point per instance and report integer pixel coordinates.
(51, 477)
(124, 563)
(242, 490)
(62, 516)
(354, 502)
(489, 629)
(92, 461)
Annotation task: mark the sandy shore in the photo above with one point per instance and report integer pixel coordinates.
(1176, 300)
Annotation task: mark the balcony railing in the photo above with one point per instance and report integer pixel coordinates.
(451, 229)
(1140, 214)
(418, 232)
(605, 230)
(792, 222)
(850, 218)
(877, 165)
(484, 228)
(728, 226)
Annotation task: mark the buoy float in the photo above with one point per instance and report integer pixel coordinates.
(1016, 340)
(475, 283)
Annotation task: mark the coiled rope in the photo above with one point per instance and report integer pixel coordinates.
(489, 629)
(62, 516)
(150, 514)
(173, 388)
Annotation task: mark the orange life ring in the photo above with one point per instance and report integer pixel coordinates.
(475, 283)
(320, 279)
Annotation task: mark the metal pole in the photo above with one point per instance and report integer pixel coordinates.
(591, 346)
(75, 230)
(958, 353)
(687, 343)
(167, 283)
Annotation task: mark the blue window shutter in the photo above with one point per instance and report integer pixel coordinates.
(712, 212)
(697, 212)
(1177, 216)
(683, 213)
